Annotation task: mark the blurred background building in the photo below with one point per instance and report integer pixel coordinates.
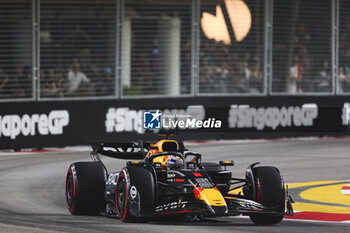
(79, 49)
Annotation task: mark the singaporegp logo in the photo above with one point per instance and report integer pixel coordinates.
(152, 119)
(30, 125)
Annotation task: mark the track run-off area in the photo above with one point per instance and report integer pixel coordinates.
(316, 171)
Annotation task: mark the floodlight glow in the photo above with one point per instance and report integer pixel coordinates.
(214, 26)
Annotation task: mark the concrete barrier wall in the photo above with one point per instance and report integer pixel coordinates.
(64, 123)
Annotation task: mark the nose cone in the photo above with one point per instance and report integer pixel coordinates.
(213, 198)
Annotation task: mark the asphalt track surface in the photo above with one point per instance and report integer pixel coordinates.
(32, 187)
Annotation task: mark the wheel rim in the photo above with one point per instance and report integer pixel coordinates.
(69, 192)
(121, 195)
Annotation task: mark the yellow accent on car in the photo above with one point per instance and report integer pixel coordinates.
(211, 196)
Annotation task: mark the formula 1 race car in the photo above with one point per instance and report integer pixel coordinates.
(165, 179)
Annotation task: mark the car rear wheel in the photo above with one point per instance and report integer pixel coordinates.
(135, 194)
(122, 199)
(85, 184)
(270, 192)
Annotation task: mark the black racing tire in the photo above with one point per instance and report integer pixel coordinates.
(122, 198)
(269, 191)
(144, 182)
(85, 186)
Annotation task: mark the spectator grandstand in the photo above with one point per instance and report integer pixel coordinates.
(168, 48)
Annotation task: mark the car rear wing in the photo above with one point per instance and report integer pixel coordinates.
(124, 150)
(120, 150)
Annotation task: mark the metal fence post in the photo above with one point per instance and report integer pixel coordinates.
(118, 51)
(268, 27)
(335, 46)
(195, 49)
(36, 49)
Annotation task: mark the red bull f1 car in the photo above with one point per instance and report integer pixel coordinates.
(165, 179)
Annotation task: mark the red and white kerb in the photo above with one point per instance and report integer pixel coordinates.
(346, 189)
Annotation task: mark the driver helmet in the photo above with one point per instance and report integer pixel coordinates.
(173, 162)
